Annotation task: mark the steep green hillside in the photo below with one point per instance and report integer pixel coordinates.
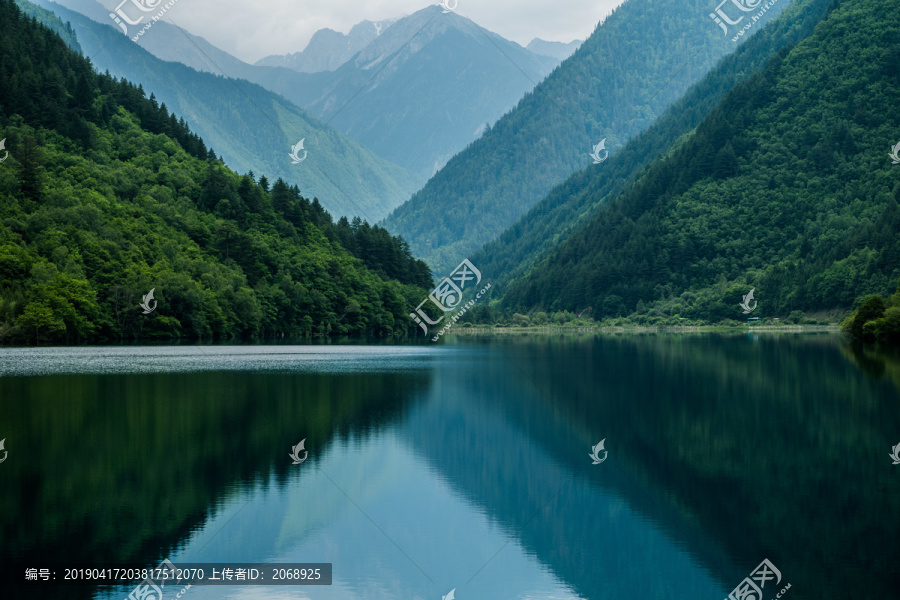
(639, 61)
(785, 188)
(569, 204)
(251, 128)
(104, 195)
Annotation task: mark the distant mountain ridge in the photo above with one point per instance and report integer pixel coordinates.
(429, 85)
(418, 112)
(558, 50)
(642, 58)
(329, 49)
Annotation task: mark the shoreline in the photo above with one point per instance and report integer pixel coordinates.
(645, 329)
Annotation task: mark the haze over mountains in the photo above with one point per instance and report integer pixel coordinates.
(445, 82)
(642, 58)
(558, 50)
(423, 89)
(329, 49)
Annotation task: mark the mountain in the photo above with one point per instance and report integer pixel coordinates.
(785, 188)
(422, 90)
(107, 198)
(407, 95)
(570, 203)
(558, 50)
(167, 41)
(49, 20)
(642, 58)
(251, 128)
(328, 49)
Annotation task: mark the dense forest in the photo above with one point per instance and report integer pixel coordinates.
(571, 203)
(785, 188)
(876, 320)
(251, 128)
(105, 195)
(644, 57)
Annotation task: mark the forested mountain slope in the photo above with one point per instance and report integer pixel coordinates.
(51, 21)
(566, 207)
(251, 128)
(634, 65)
(105, 195)
(785, 188)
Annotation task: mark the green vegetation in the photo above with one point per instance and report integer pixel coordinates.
(51, 21)
(786, 187)
(876, 320)
(570, 204)
(251, 128)
(639, 61)
(105, 195)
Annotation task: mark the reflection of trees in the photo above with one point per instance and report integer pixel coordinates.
(873, 361)
(775, 447)
(120, 469)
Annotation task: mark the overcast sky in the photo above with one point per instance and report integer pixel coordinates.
(251, 29)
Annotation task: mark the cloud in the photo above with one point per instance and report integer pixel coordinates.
(251, 29)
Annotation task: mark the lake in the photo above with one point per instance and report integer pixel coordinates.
(462, 466)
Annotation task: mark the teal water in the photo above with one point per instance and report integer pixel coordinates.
(463, 465)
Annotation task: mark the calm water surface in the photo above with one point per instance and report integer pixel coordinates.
(464, 465)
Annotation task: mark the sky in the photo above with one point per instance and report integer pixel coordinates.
(252, 29)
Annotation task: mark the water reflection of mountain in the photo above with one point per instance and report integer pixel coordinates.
(737, 449)
(112, 469)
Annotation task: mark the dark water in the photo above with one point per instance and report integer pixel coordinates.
(464, 465)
